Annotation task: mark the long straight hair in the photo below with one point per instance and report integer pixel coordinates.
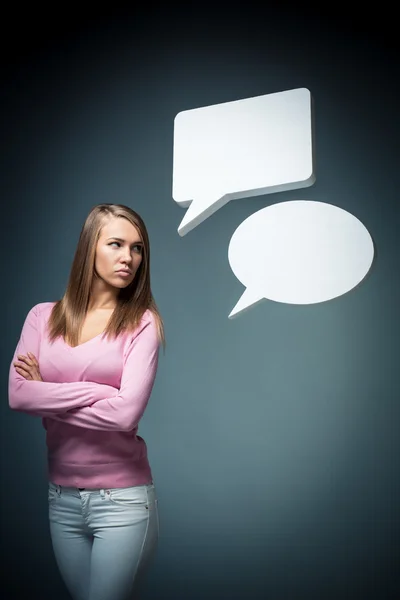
(68, 314)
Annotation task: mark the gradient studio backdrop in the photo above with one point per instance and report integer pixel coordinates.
(273, 438)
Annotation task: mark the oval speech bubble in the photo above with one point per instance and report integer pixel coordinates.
(299, 252)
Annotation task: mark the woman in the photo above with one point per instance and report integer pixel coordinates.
(86, 364)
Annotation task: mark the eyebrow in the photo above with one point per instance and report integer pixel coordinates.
(138, 243)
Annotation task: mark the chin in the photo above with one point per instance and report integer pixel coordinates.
(122, 285)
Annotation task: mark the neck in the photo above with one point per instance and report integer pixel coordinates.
(102, 297)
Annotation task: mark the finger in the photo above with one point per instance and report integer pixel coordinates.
(23, 373)
(25, 369)
(25, 359)
(33, 358)
(23, 365)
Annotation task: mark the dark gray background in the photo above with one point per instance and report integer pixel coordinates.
(273, 438)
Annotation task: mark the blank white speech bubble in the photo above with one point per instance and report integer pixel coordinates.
(240, 149)
(299, 252)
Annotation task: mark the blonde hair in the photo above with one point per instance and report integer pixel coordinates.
(68, 314)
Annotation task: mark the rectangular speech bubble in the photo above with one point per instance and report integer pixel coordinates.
(240, 149)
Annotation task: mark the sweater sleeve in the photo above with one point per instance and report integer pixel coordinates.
(41, 398)
(124, 411)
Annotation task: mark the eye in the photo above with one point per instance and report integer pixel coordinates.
(137, 248)
(117, 243)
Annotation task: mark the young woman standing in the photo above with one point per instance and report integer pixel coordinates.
(86, 364)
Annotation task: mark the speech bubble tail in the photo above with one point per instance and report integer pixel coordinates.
(199, 210)
(247, 299)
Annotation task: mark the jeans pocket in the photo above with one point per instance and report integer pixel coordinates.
(135, 496)
(53, 493)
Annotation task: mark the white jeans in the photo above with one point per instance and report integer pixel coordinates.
(103, 539)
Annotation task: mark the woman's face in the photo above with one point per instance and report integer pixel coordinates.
(118, 252)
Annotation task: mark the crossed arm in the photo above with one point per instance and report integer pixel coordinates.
(85, 404)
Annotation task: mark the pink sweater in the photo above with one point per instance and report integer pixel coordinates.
(91, 400)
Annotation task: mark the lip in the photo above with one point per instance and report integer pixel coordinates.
(124, 273)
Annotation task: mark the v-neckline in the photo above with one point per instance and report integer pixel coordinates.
(83, 343)
(92, 338)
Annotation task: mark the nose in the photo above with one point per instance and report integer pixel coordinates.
(127, 258)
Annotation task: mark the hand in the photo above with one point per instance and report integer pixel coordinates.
(28, 367)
